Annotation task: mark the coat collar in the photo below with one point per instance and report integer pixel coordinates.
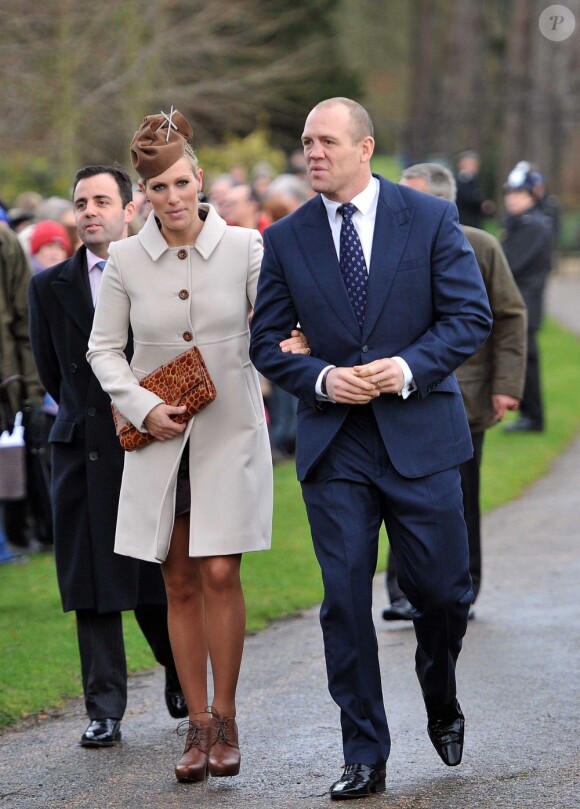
(71, 287)
(208, 239)
(392, 226)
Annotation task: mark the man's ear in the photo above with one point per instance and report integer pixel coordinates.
(367, 149)
(129, 212)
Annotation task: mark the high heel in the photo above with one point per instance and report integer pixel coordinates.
(224, 752)
(193, 764)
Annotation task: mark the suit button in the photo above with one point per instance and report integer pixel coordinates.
(187, 336)
(182, 254)
(183, 294)
(364, 349)
(92, 411)
(93, 456)
(73, 367)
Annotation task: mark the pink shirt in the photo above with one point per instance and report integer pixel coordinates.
(95, 275)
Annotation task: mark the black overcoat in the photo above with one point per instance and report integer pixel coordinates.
(528, 249)
(87, 460)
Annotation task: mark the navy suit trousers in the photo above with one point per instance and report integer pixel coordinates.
(350, 492)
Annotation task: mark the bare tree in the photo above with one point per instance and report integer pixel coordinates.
(80, 76)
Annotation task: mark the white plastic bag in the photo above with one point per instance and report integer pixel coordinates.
(13, 462)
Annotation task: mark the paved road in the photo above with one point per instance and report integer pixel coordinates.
(518, 679)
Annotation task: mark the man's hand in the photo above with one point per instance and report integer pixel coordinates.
(501, 403)
(385, 375)
(345, 386)
(295, 344)
(160, 424)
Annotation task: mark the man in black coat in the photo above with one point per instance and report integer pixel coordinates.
(527, 245)
(470, 200)
(87, 466)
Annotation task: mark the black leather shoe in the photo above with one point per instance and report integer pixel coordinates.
(174, 698)
(102, 733)
(358, 781)
(400, 610)
(446, 730)
(524, 425)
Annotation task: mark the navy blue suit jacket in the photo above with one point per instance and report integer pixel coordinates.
(426, 303)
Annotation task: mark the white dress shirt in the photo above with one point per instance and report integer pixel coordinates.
(364, 222)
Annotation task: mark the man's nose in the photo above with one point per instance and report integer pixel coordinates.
(316, 151)
(90, 210)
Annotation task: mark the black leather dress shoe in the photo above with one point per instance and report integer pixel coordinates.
(102, 733)
(446, 730)
(358, 781)
(174, 698)
(524, 425)
(399, 610)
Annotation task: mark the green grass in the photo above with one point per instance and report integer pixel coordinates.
(511, 462)
(387, 166)
(39, 666)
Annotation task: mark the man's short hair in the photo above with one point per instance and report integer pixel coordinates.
(439, 179)
(361, 123)
(117, 172)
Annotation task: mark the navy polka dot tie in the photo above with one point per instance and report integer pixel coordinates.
(352, 262)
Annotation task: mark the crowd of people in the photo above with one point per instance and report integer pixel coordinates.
(364, 298)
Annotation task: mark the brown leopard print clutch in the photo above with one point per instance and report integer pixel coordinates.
(184, 380)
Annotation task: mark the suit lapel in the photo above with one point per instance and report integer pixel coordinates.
(72, 289)
(315, 240)
(392, 226)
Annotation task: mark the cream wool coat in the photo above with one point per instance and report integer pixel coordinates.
(173, 298)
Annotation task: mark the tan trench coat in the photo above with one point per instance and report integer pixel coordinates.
(173, 298)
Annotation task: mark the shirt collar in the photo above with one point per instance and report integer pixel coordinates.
(92, 260)
(363, 201)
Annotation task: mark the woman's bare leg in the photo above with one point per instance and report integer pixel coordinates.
(186, 619)
(225, 619)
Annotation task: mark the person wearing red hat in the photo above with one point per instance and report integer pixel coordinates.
(49, 244)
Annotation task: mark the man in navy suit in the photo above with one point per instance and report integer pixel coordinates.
(381, 423)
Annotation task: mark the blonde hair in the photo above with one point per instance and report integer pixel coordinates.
(192, 157)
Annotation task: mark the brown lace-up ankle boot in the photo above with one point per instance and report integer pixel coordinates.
(192, 766)
(224, 752)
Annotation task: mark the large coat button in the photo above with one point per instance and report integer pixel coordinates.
(187, 336)
(182, 254)
(93, 456)
(183, 294)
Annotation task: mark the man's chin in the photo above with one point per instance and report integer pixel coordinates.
(89, 238)
(319, 185)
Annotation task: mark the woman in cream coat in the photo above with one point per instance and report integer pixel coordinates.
(201, 494)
